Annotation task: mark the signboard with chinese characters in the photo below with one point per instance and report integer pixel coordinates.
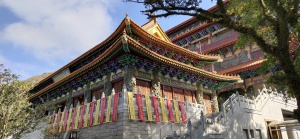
(61, 75)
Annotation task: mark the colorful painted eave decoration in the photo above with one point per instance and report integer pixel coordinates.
(140, 48)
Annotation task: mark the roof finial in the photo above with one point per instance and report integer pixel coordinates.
(126, 14)
(152, 17)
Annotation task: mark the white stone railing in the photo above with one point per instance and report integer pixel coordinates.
(251, 103)
(236, 102)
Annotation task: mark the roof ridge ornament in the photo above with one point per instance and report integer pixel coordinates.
(127, 22)
(124, 42)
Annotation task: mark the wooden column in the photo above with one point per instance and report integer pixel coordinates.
(156, 84)
(69, 100)
(107, 84)
(215, 104)
(199, 93)
(87, 92)
(129, 79)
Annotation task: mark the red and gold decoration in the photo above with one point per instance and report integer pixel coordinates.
(148, 107)
(131, 106)
(154, 102)
(140, 106)
(107, 119)
(171, 117)
(115, 107)
(102, 110)
(163, 109)
(96, 119)
(92, 113)
(82, 116)
(182, 112)
(86, 116)
(177, 118)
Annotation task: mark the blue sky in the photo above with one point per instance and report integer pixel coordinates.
(42, 36)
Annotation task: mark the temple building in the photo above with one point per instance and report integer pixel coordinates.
(141, 58)
(142, 82)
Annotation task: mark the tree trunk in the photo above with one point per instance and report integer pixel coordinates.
(292, 78)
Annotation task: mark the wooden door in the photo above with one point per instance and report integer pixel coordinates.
(188, 95)
(179, 93)
(144, 87)
(168, 92)
(97, 93)
(207, 102)
(79, 99)
(118, 86)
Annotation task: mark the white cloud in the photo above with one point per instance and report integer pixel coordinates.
(56, 30)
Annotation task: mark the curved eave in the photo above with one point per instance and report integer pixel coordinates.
(242, 67)
(119, 30)
(191, 20)
(73, 74)
(174, 47)
(191, 32)
(139, 47)
(220, 46)
(181, 25)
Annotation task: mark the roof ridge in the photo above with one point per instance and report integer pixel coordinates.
(180, 48)
(84, 54)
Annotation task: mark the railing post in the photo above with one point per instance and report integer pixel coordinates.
(124, 91)
(238, 98)
(231, 105)
(189, 126)
(202, 119)
(160, 133)
(224, 111)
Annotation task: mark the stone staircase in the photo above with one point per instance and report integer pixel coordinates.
(235, 109)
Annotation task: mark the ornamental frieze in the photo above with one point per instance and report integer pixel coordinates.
(170, 53)
(117, 75)
(144, 75)
(96, 84)
(78, 92)
(169, 81)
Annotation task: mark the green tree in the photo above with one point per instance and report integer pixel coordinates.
(16, 113)
(272, 24)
